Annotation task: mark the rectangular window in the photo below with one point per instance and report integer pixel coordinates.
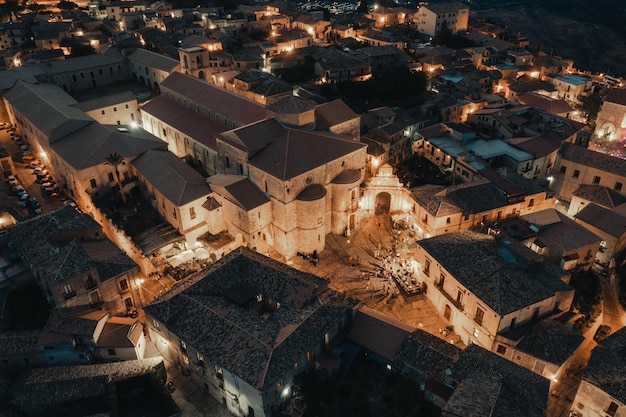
(427, 267)
(111, 179)
(124, 285)
(612, 409)
(67, 289)
(480, 314)
(501, 349)
(174, 214)
(618, 186)
(531, 202)
(596, 180)
(93, 183)
(576, 173)
(192, 213)
(563, 169)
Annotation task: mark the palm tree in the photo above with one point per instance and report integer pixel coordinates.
(115, 160)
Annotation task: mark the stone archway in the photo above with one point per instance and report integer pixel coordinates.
(447, 312)
(383, 203)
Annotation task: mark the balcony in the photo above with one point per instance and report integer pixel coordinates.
(91, 284)
(454, 302)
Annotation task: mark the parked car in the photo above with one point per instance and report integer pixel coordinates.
(20, 190)
(602, 333)
(40, 170)
(35, 163)
(12, 180)
(18, 140)
(58, 196)
(52, 190)
(35, 205)
(24, 199)
(47, 184)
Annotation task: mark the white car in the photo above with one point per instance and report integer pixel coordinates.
(20, 190)
(12, 180)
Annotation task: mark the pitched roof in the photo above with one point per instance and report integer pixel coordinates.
(516, 391)
(428, 353)
(153, 60)
(597, 160)
(617, 96)
(378, 333)
(219, 100)
(105, 101)
(445, 7)
(504, 276)
(258, 348)
(119, 332)
(550, 341)
(286, 153)
(559, 231)
(604, 219)
(538, 146)
(606, 368)
(48, 108)
(333, 113)
(600, 195)
(41, 388)
(87, 62)
(90, 145)
(172, 177)
(238, 190)
(42, 240)
(546, 103)
(188, 122)
(19, 342)
(431, 198)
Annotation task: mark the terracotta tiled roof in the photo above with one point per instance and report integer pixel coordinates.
(606, 220)
(187, 121)
(333, 113)
(172, 177)
(260, 349)
(617, 96)
(511, 389)
(233, 106)
(505, 278)
(599, 194)
(238, 190)
(606, 368)
(378, 333)
(586, 157)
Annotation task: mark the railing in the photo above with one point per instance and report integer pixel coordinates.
(454, 302)
(69, 295)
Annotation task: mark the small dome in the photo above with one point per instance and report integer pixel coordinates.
(312, 193)
(347, 176)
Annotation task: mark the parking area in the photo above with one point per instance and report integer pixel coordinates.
(24, 189)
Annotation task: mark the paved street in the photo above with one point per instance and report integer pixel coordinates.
(26, 179)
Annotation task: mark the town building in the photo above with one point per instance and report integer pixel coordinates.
(432, 17)
(485, 286)
(512, 390)
(75, 265)
(561, 240)
(601, 391)
(245, 327)
(576, 166)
